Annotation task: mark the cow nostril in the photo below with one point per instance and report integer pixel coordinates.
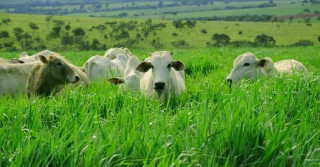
(229, 80)
(77, 77)
(159, 85)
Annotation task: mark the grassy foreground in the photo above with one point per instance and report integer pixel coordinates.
(270, 122)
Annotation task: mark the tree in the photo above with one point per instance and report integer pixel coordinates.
(265, 40)
(55, 32)
(190, 24)
(148, 27)
(67, 27)
(221, 39)
(33, 26)
(178, 24)
(4, 34)
(18, 33)
(66, 39)
(79, 32)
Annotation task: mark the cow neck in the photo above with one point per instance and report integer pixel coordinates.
(47, 84)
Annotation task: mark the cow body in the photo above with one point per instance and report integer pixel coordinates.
(99, 67)
(112, 53)
(249, 66)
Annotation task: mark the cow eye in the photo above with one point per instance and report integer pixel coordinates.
(59, 64)
(151, 66)
(246, 64)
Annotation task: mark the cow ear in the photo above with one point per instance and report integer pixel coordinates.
(43, 59)
(116, 81)
(144, 67)
(262, 62)
(178, 65)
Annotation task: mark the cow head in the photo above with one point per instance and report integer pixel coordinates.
(248, 66)
(58, 69)
(161, 64)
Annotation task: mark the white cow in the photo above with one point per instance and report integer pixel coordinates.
(13, 77)
(131, 77)
(112, 53)
(161, 76)
(26, 58)
(248, 66)
(99, 67)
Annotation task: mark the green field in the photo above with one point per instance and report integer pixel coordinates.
(270, 122)
(283, 33)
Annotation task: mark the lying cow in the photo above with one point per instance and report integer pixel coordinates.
(112, 53)
(13, 77)
(50, 75)
(84, 80)
(99, 67)
(26, 58)
(248, 66)
(10, 61)
(131, 77)
(161, 76)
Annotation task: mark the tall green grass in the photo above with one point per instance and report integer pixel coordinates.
(269, 122)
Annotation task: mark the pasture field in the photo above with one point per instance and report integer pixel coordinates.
(269, 122)
(283, 33)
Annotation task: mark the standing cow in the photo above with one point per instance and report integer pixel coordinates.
(161, 76)
(248, 66)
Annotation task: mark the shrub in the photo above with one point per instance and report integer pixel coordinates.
(33, 26)
(4, 34)
(67, 39)
(79, 32)
(265, 40)
(304, 43)
(221, 39)
(180, 44)
(174, 34)
(319, 38)
(203, 31)
(240, 32)
(55, 32)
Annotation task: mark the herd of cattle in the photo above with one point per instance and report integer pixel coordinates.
(159, 76)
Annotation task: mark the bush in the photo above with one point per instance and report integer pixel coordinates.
(4, 34)
(79, 32)
(303, 43)
(180, 44)
(265, 40)
(174, 34)
(221, 39)
(242, 43)
(203, 31)
(33, 26)
(55, 32)
(67, 39)
(319, 38)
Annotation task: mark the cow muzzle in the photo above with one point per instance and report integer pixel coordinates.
(159, 86)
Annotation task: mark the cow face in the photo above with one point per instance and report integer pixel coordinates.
(248, 66)
(59, 70)
(161, 64)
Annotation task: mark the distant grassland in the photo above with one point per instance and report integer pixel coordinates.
(284, 33)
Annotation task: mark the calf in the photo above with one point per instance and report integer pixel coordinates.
(161, 76)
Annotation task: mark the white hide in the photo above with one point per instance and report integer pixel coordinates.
(249, 66)
(161, 69)
(112, 53)
(131, 77)
(13, 77)
(26, 58)
(99, 67)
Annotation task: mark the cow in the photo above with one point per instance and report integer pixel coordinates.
(247, 65)
(131, 77)
(161, 76)
(50, 76)
(11, 61)
(112, 53)
(13, 77)
(98, 67)
(26, 58)
(84, 80)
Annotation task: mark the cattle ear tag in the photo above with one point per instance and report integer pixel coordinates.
(43, 59)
